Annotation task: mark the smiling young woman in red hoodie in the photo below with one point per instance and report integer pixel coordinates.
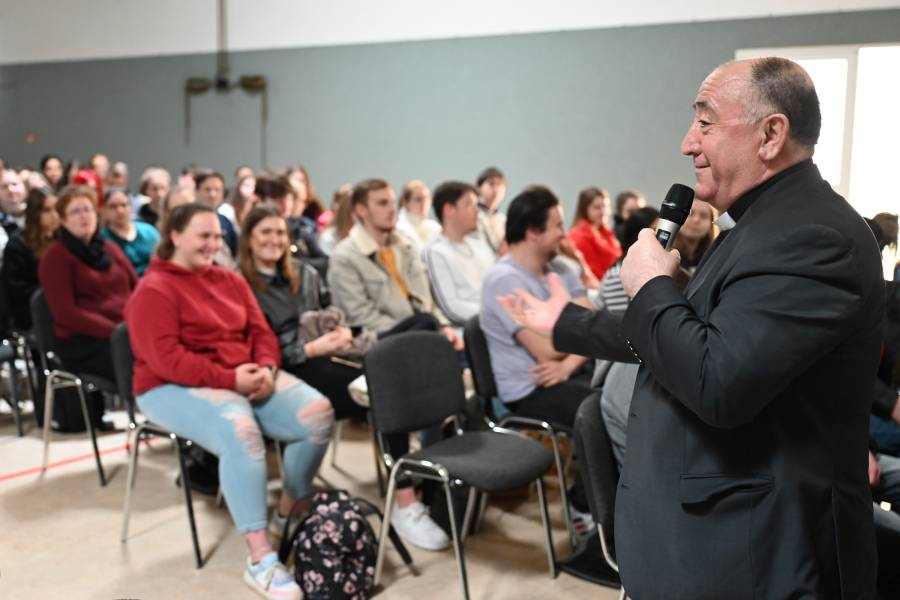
(206, 367)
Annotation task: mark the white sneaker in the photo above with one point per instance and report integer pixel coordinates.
(583, 523)
(416, 526)
(271, 579)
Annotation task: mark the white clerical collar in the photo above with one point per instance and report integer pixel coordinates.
(725, 222)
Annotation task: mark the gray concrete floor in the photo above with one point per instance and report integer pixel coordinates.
(60, 530)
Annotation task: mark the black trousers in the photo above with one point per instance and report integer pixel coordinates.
(331, 379)
(81, 355)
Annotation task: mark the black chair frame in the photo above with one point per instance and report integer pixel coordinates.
(123, 361)
(479, 359)
(426, 469)
(58, 378)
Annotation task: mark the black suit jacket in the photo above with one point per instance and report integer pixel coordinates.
(745, 473)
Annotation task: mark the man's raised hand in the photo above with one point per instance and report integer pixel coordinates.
(536, 315)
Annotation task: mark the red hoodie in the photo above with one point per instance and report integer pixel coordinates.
(600, 247)
(194, 328)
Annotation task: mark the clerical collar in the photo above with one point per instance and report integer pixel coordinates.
(729, 218)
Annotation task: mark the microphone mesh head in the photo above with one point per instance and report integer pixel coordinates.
(677, 205)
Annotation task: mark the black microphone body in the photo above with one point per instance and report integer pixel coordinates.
(673, 213)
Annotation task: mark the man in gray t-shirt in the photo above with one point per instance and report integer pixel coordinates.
(533, 379)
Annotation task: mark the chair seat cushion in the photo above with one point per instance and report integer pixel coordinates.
(489, 461)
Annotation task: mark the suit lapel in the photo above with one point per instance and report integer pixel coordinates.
(709, 263)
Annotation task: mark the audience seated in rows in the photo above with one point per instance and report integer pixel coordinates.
(376, 277)
(457, 261)
(306, 201)
(205, 358)
(491, 184)
(612, 294)
(696, 235)
(136, 238)
(286, 289)
(12, 204)
(155, 185)
(342, 219)
(210, 190)
(19, 273)
(414, 220)
(626, 203)
(533, 379)
(278, 192)
(86, 281)
(590, 234)
(51, 168)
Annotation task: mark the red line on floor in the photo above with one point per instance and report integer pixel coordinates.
(66, 461)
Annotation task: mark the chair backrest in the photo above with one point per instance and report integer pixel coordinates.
(596, 462)
(123, 364)
(479, 360)
(42, 321)
(415, 381)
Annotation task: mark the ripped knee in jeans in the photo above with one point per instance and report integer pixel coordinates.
(246, 431)
(318, 417)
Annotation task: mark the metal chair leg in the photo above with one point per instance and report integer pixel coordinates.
(482, 506)
(49, 395)
(386, 520)
(548, 534)
(129, 485)
(377, 453)
(471, 501)
(90, 427)
(14, 396)
(563, 491)
(186, 486)
(335, 438)
(457, 540)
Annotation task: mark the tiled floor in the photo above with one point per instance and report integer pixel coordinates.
(59, 532)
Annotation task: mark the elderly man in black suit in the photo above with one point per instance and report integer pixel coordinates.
(746, 469)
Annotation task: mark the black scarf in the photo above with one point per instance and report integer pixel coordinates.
(93, 254)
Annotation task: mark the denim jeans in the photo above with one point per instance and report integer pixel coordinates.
(232, 427)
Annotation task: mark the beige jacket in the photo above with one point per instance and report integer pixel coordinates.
(363, 288)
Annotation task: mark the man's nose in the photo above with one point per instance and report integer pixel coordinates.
(690, 143)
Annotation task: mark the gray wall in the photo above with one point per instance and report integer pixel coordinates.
(605, 107)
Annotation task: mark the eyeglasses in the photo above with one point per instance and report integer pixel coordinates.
(71, 212)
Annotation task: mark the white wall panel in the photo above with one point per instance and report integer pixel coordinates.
(58, 30)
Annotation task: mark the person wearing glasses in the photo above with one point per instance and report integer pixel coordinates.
(86, 280)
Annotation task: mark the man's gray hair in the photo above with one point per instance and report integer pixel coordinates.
(779, 85)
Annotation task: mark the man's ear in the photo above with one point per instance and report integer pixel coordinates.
(360, 211)
(775, 134)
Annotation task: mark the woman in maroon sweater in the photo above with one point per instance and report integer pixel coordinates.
(206, 368)
(86, 281)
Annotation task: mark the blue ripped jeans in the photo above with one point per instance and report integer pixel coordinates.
(231, 427)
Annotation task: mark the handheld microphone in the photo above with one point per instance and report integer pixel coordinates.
(673, 213)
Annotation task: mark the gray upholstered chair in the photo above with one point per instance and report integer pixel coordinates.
(415, 382)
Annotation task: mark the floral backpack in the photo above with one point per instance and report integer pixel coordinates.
(334, 548)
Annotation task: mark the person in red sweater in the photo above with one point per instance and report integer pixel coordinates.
(86, 281)
(206, 368)
(590, 234)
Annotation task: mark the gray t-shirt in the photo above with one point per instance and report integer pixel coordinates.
(511, 362)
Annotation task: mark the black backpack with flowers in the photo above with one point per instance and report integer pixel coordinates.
(334, 548)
